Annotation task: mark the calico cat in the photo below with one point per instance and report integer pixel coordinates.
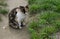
(17, 16)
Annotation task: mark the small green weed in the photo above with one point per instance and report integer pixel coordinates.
(3, 11)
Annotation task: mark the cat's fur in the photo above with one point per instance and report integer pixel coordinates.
(20, 16)
(13, 16)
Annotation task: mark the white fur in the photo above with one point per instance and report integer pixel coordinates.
(20, 16)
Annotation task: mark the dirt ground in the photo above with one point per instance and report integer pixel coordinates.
(10, 33)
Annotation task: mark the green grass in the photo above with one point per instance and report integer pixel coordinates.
(47, 21)
(2, 3)
(46, 24)
(3, 11)
(44, 5)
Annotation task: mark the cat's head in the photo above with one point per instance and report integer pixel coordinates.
(23, 9)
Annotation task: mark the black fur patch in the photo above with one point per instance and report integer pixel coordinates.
(12, 16)
(22, 9)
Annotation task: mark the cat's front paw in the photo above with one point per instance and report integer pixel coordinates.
(20, 27)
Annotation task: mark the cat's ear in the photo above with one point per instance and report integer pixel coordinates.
(27, 8)
(22, 8)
